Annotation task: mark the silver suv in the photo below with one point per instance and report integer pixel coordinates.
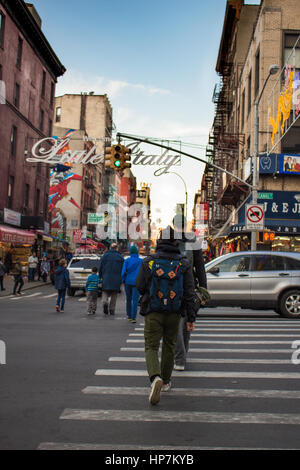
(256, 279)
(80, 267)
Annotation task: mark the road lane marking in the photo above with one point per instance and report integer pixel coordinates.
(180, 416)
(246, 328)
(198, 374)
(209, 361)
(51, 295)
(220, 342)
(233, 335)
(196, 392)
(222, 350)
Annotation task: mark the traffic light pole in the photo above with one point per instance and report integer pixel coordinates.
(148, 141)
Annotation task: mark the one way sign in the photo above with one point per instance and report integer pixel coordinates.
(255, 217)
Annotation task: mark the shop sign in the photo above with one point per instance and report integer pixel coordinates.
(285, 205)
(289, 164)
(12, 217)
(77, 236)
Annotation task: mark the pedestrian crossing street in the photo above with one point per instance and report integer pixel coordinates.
(226, 396)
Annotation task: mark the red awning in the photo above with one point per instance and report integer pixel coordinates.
(14, 235)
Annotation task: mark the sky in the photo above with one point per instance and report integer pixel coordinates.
(156, 62)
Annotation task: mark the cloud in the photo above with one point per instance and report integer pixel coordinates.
(75, 82)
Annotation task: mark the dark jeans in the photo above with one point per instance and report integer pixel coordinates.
(31, 273)
(1, 282)
(132, 300)
(19, 283)
(182, 345)
(60, 302)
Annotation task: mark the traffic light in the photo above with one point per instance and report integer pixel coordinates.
(125, 157)
(117, 157)
(109, 152)
(269, 236)
(113, 157)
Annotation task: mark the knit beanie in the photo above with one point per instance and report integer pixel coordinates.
(133, 250)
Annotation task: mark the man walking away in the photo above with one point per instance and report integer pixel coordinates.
(130, 271)
(188, 245)
(110, 270)
(18, 277)
(2, 274)
(166, 283)
(92, 288)
(61, 282)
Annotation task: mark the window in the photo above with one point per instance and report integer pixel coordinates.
(13, 141)
(290, 41)
(243, 110)
(43, 83)
(50, 123)
(42, 119)
(2, 23)
(249, 91)
(58, 114)
(26, 196)
(293, 264)
(269, 263)
(52, 94)
(19, 53)
(257, 74)
(37, 202)
(17, 95)
(234, 264)
(10, 193)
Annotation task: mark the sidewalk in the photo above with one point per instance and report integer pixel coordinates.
(8, 284)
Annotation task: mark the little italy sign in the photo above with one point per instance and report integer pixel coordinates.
(56, 151)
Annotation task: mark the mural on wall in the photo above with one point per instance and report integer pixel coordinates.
(60, 178)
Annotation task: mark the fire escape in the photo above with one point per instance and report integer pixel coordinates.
(223, 191)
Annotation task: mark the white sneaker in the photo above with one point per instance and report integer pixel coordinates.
(156, 386)
(178, 367)
(166, 387)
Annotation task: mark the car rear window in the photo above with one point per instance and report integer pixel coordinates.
(84, 263)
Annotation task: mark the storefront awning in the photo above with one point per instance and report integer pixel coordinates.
(18, 236)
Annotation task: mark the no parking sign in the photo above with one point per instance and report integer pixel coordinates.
(255, 217)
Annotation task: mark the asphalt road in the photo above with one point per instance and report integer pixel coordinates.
(77, 382)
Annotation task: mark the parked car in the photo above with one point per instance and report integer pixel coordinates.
(80, 267)
(256, 280)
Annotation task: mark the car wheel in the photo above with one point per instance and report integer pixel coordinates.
(290, 304)
(71, 292)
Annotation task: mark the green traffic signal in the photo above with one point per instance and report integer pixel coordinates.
(117, 163)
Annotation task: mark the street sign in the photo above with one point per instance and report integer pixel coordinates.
(255, 217)
(95, 218)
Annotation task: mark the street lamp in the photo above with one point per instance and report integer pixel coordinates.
(272, 71)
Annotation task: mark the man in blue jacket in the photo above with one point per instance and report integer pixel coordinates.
(130, 271)
(110, 270)
(62, 282)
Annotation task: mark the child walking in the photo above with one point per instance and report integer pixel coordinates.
(92, 288)
(61, 282)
